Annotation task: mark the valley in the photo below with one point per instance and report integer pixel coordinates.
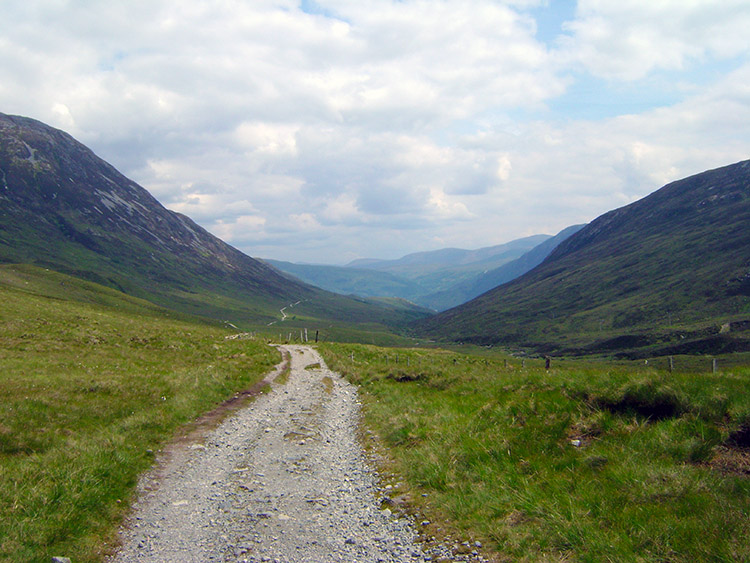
(577, 397)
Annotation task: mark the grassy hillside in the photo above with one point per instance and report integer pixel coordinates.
(480, 283)
(416, 277)
(669, 272)
(584, 462)
(64, 208)
(92, 382)
(438, 270)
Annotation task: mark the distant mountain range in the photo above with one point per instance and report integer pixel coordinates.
(667, 274)
(437, 279)
(63, 208)
(466, 290)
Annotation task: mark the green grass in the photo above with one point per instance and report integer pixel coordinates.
(586, 462)
(92, 383)
(658, 277)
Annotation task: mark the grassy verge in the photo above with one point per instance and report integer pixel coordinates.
(92, 383)
(582, 462)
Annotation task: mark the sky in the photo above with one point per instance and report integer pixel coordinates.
(323, 131)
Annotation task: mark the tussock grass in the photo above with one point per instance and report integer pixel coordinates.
(92, 383)
(585, 462)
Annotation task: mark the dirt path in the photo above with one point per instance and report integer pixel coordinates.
(284, 479)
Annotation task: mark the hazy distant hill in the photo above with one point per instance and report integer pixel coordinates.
(419, 265)
(475, 286)
(413, 276)
(351, 281)
(64, 208)
(669, 273)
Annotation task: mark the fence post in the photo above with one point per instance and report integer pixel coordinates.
(713, 365)
(671, 364)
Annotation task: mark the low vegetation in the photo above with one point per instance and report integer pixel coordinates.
(582, 462)
(92, 383)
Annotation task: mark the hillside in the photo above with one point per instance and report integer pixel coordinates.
(64, 208)
(350, 281)
(475, 286)
(438, 270)
(667, 274)
(413, 277)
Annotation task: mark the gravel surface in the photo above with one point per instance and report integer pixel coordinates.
(284, 479)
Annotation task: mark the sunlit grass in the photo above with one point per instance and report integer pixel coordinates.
(586, 462)
(92, 383)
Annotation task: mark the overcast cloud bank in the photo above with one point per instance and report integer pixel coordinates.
(326, 131)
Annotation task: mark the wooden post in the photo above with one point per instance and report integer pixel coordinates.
(713, 365)
(523, 363)
(547, 361)
(671, 364)
(316, 336)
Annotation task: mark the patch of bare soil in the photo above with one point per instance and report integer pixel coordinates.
(731, 460)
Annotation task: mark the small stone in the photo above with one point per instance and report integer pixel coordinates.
(350, 541)
(61, 560)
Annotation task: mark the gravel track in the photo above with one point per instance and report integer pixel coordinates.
(284, 479)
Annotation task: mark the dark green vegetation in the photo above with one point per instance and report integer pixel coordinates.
(64, 208)
(437, 279)
(473, 287)
(668, 274)
(92, 383)
(585, 462)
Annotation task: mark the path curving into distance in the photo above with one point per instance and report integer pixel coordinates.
(284, 479)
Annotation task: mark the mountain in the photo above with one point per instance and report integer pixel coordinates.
(414, 265)
(472, 287)
(350, 281)
(667, 274)
(64, 208)
(412, 277)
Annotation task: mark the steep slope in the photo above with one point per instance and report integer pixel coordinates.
(64, 208)
(473, 287)
(669, 273)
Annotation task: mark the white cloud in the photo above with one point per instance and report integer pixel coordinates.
(630, 38)
(445, 207)
(381, 125)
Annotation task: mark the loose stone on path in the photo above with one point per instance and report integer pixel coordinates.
(284, 479)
